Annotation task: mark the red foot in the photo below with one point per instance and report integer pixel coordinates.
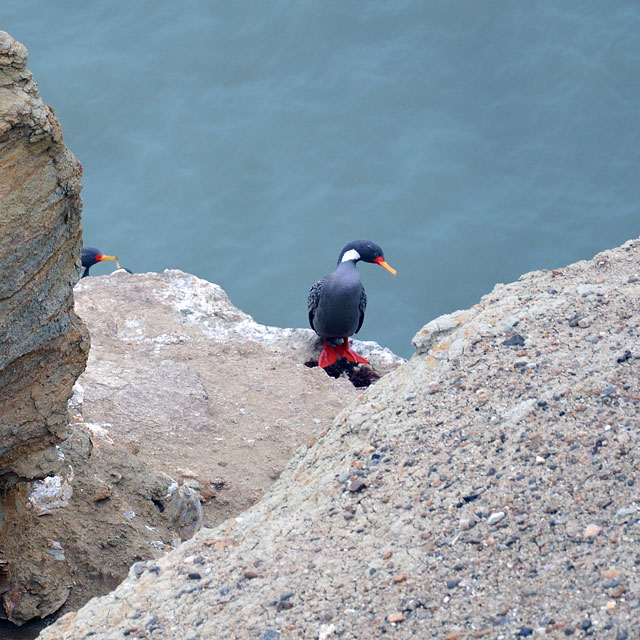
(345, 351)
(328, 355)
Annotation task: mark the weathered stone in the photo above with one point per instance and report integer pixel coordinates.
(340, 551)
(184, 511)
(43, 345)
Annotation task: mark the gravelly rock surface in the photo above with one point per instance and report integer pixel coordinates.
(486, 488)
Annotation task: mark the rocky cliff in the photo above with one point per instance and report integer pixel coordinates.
(43, 345)
(185, 402)
(198, 389)
(486, 488)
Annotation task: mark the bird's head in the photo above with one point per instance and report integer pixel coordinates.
(91, 255)
(367, 251)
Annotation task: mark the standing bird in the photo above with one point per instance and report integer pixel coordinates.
(91, 256)
(337, 302)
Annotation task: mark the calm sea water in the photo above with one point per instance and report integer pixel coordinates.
(247, 142)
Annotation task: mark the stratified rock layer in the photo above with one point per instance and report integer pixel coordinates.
(486, 488)
(43, 346)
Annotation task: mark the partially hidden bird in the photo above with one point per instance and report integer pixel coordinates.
(337, 302)
(91, 256)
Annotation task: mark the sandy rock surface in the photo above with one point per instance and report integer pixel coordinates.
(487, 488)
(200, 391)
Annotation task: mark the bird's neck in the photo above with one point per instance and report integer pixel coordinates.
(347, 271)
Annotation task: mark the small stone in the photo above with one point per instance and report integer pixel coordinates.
(399, 577)
(626, 511)
(452, 584)
(608, 391)
(523, 632)
(592, 531)
(250, 575)
(326, 630)
(618, 591)
(355, 484)
(584, 323)
(194, 575)
(610, 584)
(102, 494)
(395, 617)
(494, 518)
(584, 290)
(539, 460)
(516, 340)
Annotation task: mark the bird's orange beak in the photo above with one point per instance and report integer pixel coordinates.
(100, 258)
(380, 260)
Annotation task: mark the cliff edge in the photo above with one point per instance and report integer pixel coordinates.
(43, 344)
(486, 488)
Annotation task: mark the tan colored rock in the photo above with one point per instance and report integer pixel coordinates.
(198, 388)
(430, 460)
(43, 346)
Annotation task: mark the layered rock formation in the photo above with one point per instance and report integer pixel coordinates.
(43, 346)
(486, 488)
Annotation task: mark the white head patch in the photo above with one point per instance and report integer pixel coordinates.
(352, 254)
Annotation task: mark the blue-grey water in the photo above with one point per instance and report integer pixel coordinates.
(247, 142)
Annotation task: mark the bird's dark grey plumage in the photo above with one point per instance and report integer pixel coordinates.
(336, 303)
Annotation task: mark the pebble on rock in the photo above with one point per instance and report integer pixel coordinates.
(494, 518)
(592, 531)
(355, 484)
(395, 617)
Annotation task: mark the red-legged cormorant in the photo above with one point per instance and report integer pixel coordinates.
(336, 304)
